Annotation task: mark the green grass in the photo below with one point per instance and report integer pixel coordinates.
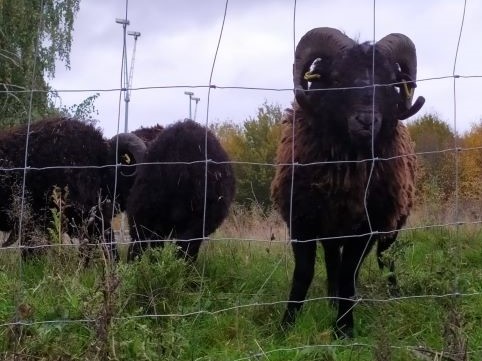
(228, 305)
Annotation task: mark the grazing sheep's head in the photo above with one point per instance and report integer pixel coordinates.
(130, 151)
(326, 60)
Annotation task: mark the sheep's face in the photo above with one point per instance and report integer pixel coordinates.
(348, 101)
(130, 150)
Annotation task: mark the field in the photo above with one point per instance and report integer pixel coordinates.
(227, 307)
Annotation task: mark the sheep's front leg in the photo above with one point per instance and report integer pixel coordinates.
(189, 250)
(332, 264)
(190, 241)
(305, 253)
(354, 252)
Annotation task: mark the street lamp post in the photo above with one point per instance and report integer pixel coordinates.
(190, 94)
(127, 77)
(124, 23)
(127, 97)
(195, 108)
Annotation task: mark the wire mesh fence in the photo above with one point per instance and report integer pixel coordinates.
(259, 241)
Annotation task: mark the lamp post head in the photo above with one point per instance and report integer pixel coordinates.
(122, 21)
(135, 34)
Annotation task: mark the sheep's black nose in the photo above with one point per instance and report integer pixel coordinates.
(364, 124)
(367, 119)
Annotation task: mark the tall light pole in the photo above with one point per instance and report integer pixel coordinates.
(127, 97)
(195, 108)
(127, 76)
(190, 94)
(125, 85)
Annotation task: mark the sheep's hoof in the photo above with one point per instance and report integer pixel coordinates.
(287, 322)
(394, 291)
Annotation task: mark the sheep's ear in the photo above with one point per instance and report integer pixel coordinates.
(130, 148)
(130, 151)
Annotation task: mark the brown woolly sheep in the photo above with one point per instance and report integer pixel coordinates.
(73, 156)
(350, 180)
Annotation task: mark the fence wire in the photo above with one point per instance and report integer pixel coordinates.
(456, 149)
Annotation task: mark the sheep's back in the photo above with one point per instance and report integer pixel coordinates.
(148, 134)
(172, 192)
(55, 142)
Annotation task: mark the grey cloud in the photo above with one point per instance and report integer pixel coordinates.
(179, 39)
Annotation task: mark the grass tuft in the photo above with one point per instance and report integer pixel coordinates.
(227, 306)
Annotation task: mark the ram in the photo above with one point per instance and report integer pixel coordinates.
(174, 195)
(346, 163)
(73, 157)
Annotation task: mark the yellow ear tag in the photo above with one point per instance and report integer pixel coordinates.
(125, 158)
(408, 92)
(309, 76)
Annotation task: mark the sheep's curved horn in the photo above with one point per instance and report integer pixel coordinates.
(316, 43)
(402, 50)
(130, 148)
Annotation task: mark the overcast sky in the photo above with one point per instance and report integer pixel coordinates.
(178, 42)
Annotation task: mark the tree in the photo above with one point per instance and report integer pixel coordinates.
(33, 35)
(253, 145)
(434, 141)
(470, 171)
(83, 111)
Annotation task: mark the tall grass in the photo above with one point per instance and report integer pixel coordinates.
(228, 304)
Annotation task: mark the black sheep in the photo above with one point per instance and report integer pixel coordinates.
(354, 160)
(147, 134)
(77, 158)
(170, 198)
